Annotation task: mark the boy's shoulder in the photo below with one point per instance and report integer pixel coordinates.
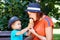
(13, 31)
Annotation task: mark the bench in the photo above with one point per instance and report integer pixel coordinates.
(5, 35)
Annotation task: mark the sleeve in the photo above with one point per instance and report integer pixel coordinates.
(48, 23)
(13, 33)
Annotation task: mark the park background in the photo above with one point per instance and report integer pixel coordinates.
(9, 8)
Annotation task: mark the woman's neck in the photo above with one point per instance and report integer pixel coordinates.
(42, 17)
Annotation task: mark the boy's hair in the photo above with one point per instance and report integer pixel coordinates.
(12, 20)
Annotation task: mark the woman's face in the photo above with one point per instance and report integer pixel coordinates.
(32, 15)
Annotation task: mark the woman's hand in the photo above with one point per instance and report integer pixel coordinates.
(43, 38)
(31, 30)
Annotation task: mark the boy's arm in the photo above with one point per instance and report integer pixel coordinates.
(27, 28)
(22, 31)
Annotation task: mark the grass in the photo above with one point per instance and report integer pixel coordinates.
(56, 36)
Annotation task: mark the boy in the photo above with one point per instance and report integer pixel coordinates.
(15, 24)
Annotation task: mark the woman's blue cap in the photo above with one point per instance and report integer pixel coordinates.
(33, 7)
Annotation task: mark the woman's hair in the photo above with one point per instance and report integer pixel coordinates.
(41, 14)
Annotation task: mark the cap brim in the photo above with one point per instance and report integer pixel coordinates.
(9, 24)
(32, 11)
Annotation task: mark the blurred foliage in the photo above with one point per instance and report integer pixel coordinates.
(10, 8)
(48, 7)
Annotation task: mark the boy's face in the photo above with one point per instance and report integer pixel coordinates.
(16, 25)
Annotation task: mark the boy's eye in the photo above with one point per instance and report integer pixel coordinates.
(18, 23)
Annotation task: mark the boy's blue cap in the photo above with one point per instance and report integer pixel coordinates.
(33, 7)
(12, 20)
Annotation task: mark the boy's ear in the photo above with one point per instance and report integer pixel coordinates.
(12, 25)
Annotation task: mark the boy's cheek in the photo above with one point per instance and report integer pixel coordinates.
(20, 27)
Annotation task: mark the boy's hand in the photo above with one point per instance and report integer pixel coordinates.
(31, 23)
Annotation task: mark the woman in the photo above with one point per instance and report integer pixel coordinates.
(43, 25)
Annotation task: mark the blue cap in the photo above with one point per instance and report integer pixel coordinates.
(12, 20)
(33, 7)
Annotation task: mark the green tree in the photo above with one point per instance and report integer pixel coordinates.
(10, 8)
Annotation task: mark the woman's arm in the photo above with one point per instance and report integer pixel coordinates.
(32, 22)
(39, 36)
(49, 33)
